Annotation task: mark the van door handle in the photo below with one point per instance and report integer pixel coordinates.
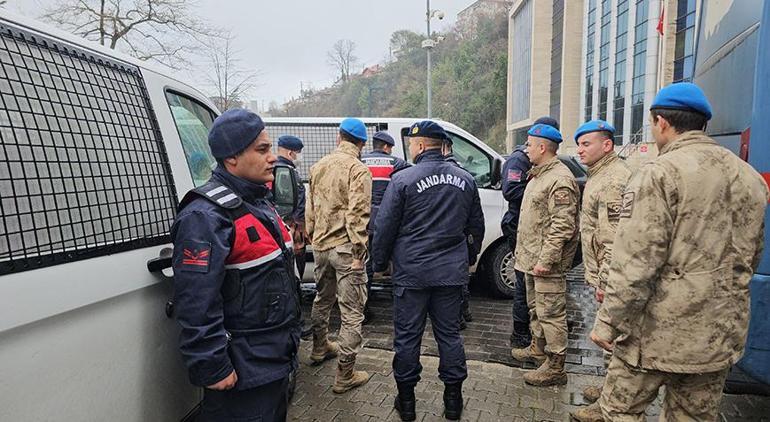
(163, 261)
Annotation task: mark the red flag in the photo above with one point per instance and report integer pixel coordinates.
(660, 21)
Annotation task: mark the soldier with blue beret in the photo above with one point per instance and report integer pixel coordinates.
(427, 215)
(676, 309)
(230, 247)
(514, 182)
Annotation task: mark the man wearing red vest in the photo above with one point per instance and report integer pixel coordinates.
(235, 288)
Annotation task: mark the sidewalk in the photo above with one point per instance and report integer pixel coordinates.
(492, 392)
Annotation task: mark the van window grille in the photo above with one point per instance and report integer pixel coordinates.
(318, 139)
(83, 169)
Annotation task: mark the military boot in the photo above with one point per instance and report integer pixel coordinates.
(348, 379)
(405, 402)
(591, 413)
(551, 372)
(592, 393)
(453, 401)
(534, 353)
(323, 349)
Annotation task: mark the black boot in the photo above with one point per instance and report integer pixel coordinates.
(307, 330)
(453, 401)
(405, 402)
(368, 317)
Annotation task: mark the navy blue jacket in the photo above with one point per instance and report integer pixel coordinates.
(299, 214)
(234, 286)
(428, 214)
(382, 166)
(515, 175)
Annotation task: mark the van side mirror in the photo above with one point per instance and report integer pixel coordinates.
(497, 168)
(285, 191)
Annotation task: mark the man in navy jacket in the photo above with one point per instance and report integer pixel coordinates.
(429, 216)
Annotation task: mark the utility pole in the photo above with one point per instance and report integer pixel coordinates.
(428, 47)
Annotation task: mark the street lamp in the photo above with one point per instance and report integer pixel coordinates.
(429, 43)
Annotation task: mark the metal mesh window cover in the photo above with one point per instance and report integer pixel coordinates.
(318, 139)
(83, 169)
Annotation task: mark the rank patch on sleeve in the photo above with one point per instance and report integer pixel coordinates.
(614, 210)
(514, 175)
(195, 256)
(628, 205)
(561, 197)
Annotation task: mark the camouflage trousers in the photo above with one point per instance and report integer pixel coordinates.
(547, 302)
(337, 281)
(688, 397)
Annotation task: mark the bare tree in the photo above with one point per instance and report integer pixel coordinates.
(161, 30)
(342, 59)
(230, 83)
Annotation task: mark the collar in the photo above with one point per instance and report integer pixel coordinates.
(542, 168)
(602, 163)
(429, 155)
(692, 137)
(247, 190)
(284, 160)
(348, 148)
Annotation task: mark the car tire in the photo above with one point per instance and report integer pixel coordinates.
(498, 271)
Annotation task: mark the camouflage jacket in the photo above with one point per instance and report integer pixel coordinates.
(339, 201)
(599, 216)
(547, 232)
(690, 236)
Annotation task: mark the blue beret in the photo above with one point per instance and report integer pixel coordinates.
(385, 137)
(545, 131)
(233, 131)
(354, 127)
(594, 126)
(428, 129)
(290, 142)
(682, 96)
(548, 120)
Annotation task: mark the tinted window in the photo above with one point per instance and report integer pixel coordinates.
(193, 121)
(83, 169)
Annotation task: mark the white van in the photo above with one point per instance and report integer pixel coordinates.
(96, 150)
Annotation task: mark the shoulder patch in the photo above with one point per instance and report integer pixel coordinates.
(562, 197)
(195, 256)
(614, 210)
(514, 175)
(627, 206)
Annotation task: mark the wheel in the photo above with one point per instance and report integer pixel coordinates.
(498, 271)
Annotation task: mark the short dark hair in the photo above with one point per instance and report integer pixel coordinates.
(547, 120)
(681, 120)
(379, 145)
(350, 138)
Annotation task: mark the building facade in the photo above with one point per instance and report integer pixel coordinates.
(595, 59)
(544, 57)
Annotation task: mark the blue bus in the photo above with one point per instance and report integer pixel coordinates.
(732, 65)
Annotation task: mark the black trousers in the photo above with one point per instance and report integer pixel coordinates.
(520, 337)
(266, 403)
(410, 309)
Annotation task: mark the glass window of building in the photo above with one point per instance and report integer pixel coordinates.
(685, 39)
(640, 66)
(590, 32)
(621, 48)
(556, 57)
(604, 58)
(521, 54)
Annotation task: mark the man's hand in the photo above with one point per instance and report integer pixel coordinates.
(599, 294)
(540, 270)
(358, 264)
(604, 344)
(225, 384)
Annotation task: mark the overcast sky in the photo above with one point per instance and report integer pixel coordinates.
(287, 40)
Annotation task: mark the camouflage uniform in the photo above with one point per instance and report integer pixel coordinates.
(600, 214)
(336, 216)
(547, 236)
(690, 236)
